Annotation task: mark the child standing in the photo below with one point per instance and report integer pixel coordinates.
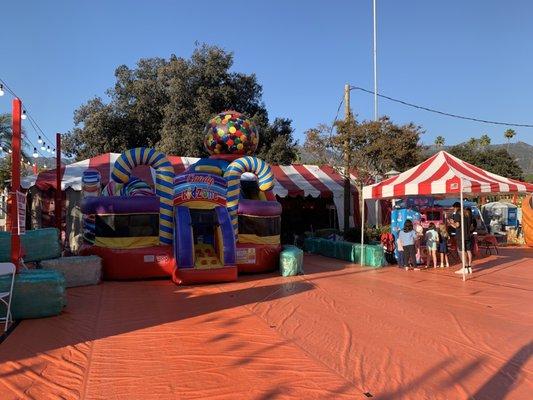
(399, 246)
(432, 240)
(407, 237)
(443, 245)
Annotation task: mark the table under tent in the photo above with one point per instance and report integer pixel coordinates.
(444, 175)
(316, 192)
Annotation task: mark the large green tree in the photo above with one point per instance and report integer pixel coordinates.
(375, 147)
(165, 103)
(495, 160)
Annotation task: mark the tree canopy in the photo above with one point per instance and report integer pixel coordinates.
(165, 103)
(495, 160)
(375, 147)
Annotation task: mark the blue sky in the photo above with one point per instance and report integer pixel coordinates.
(472, 58)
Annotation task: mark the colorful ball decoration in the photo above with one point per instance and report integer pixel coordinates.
(231, 132)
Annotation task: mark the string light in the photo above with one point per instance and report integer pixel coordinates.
(10, 151)
(1, 89)
(35, 155)
(43, 146)
(23, 116)
(40, 140)
(48, 149)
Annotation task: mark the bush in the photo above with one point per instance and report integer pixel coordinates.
(354, 235)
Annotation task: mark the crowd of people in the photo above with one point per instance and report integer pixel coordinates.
(437, 241)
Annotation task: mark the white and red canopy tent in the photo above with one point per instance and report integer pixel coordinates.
(290, 180)
(444, 175)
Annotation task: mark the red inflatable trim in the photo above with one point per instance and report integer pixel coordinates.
(142, 263)
(191, 276)
(266, 258)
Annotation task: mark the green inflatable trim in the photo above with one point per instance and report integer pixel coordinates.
(37, 245)
(37, 293)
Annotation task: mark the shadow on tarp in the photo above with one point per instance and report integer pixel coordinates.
(503, 381)
(134, 306)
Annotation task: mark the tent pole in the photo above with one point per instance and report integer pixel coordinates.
(362, 228)
(463, 253)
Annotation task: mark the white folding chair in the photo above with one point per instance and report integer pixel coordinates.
(5, 297)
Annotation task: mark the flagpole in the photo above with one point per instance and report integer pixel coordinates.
(375, 64)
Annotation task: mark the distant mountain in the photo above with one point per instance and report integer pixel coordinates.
(521, 151)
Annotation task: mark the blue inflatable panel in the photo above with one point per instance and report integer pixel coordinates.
(228, 237)
(183, 240)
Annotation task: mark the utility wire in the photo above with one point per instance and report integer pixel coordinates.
(25, 108)
(484, 121)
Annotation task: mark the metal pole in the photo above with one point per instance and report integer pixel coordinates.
(16, 128)
(347, 162)
(463, 253)
(375, 64)
(58, 204)
(362, 200)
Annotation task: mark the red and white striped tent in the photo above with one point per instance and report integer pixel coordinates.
(444, 175)
(290, 180)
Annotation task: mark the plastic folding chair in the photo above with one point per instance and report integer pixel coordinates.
(5, 297)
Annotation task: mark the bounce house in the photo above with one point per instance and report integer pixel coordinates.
(216, 219)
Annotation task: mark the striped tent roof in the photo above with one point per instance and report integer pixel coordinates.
(444, 174)
(290, 180)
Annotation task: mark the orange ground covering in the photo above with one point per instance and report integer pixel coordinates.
(335, 333)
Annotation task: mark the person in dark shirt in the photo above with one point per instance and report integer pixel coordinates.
(455, 222)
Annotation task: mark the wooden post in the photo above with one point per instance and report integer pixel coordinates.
(16, 128)
(58, 200)
(347, 161)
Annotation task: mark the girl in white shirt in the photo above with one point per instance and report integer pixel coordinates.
(407, 236)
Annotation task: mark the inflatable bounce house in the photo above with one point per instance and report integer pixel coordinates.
(216, 219)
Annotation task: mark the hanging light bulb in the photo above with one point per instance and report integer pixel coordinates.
(1, 90)
(45, 166)
(10, 151)
(43, 146)
(23, 116)
(40, 140)
(48, 149)
(35, 155)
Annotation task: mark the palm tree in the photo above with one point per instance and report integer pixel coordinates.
(439, 142)
(6, 134)
(484, 140)
(509, 134)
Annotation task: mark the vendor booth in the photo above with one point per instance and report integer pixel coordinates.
(444, 175)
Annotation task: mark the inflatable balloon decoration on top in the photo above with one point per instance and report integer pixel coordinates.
(204, 225)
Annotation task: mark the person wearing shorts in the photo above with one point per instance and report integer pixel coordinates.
(432, 240)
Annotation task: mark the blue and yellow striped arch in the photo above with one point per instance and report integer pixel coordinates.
(164, 179)
(265, 181)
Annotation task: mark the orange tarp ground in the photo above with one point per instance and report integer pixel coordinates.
(335, 333)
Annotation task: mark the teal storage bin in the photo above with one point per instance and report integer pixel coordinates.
(291, 261)
(36, 293)
(37, 245)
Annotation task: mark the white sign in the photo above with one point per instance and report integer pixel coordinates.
(245, 256)
(21, 211)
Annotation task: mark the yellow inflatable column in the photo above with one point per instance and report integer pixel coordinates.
(233, 176)
(164, 182)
